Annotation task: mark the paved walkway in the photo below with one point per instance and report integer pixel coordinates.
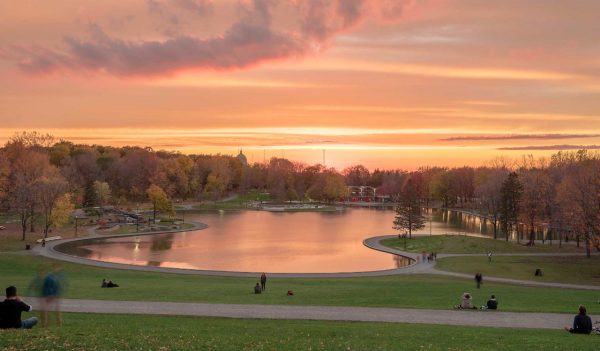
(429, 268)
(364, 314)
(373, 243)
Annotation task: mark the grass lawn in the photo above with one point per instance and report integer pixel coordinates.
(576, 270)
(238, 202)
(408, 291)
(127, 332)
(468, 244)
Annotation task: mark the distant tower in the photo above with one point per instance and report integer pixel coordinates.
(242, 158)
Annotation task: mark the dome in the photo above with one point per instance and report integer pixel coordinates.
(242, 158)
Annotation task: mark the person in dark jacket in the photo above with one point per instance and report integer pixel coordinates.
(491, 304)
(257, 289)
(478, 279)
(11, 309)
(582, 324)
(263, 281)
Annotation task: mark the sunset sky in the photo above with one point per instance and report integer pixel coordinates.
(392, 84)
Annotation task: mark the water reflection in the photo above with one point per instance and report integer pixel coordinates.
(257, 241)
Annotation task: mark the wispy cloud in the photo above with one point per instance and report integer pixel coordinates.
(550, 147)
(521, 137)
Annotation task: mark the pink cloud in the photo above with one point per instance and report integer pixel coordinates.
(250, 40)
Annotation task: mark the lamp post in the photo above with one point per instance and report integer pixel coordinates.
(76, 225)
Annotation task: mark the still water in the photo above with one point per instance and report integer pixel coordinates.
(260, 241)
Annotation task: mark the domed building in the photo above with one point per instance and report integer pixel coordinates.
(242, 158)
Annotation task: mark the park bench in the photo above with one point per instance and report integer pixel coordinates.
(50, 238)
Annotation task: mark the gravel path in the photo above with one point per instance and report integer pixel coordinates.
(365, 314)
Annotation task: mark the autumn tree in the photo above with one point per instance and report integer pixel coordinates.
(334, 187)
(510, 200)
(4, 177)
(535, 199)
(580, 194)
(102, 190)
(489, 192)
(160, 201)
(50, 188)
(409, 216)
(63, 208)
(356, 175)
(27, 167)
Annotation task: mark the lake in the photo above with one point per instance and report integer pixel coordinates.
(261, 241)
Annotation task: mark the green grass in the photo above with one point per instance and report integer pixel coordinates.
(127, 332)
(407, 291)
(576, 270)
(468, 244)
(239, 202)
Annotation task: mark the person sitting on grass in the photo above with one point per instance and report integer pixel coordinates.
(110, 284)
(582, 324)
(10, 311)
(257, 288)
(467, 302)
(491, 304)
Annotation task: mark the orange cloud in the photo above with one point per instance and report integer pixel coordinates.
(251, 39)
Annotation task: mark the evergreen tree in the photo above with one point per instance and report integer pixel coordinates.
(409, 216)
(90, 198)
(511, 193)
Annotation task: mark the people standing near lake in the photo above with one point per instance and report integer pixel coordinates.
(582, 324)
(11, 309)
(478, 279)
(263, 281)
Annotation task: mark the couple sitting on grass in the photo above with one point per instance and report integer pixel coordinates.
(467, 303)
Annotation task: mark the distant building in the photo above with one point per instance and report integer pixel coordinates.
(242, 158)
(362, 193)
(365, 194)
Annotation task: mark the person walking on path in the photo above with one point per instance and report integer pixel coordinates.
(582, 324)
(53, 287)
(489, 255)
(263, 281)
(478, 279)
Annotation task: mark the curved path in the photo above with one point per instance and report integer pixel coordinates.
(51, 252)
(364, 314)
(372, 243)
(429, 268)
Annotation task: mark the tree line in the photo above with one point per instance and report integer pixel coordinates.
(41, 177)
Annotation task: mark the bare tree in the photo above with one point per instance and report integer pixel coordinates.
(489, 191)
(535, 199)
